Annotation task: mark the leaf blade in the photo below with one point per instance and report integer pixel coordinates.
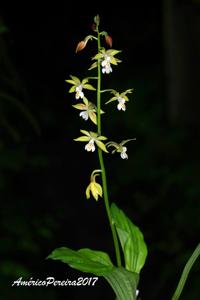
(186, 272)
(123, 282)
(85, 260)
(131, 239)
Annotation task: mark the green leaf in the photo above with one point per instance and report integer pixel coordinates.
(85, 260)
(186, 272)
(131, 239)
(124, 283)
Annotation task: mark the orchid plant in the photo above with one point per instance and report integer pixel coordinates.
(123, 275)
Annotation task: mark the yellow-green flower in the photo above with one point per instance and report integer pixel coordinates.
(94, 188)
(88, 110)
(107, 59)
(120, 148)
(92, 138)
(78, 86)
(121, 98)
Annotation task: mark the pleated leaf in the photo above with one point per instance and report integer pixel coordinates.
(85, 260)
(123, 282)
(131, 239)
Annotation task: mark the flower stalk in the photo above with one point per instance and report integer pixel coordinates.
(101, 160)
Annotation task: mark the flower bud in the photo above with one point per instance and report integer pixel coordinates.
(81, 45)
(97, 20)
(108, 40)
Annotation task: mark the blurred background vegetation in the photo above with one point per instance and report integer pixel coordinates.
(43, 173)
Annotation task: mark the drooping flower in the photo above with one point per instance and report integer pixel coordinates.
(92, 138)
(120, 148)
(88, 110)
(121, 98)
(94, 188)
(78, 86)
(107, 59)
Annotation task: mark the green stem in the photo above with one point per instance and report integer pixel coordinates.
(101, 161)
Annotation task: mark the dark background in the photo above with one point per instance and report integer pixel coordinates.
(43, 173)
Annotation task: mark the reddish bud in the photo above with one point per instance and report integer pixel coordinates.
(108, 40)
(81, 45)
